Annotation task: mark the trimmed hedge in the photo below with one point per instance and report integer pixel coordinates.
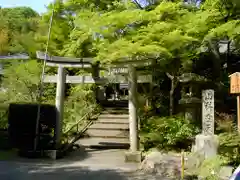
(22, 126)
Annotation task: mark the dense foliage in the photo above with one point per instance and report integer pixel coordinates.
(177, 36)
(173, 33)
(21, 81)
(81, 101)
(230, 148)
(17, 30)
(167, 133)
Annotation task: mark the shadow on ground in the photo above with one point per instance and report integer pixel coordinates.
(78, 154)
(18, 171)
(93, 165)
(111, 159)
(39, 172)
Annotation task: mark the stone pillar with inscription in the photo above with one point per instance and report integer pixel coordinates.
(206, 143)
(208, 112)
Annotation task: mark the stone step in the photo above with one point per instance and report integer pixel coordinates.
(104, 143)
(116, 108)
(109, 126)
(113, 116)
(116, 104)
(108, 133)
(112, 121)
(114, 111)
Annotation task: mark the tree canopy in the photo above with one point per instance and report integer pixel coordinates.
(17, 28)
(180, 36)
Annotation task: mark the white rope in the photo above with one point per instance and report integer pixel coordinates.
(41, 84)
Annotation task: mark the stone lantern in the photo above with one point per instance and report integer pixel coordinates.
(190, 95)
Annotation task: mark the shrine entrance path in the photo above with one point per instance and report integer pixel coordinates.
(93, 165)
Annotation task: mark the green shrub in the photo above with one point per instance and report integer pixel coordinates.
(3, 120)
(229, 138)
(168, 133)
(225, 123)
(210, 168)
(21, 81)
(3, 116)
(229, 147)
(80, 102)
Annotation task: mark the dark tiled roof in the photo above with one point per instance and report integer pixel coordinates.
(58, 59)
(1, 69)
(15, 56)
(12, 57)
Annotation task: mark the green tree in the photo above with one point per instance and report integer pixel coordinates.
(136, 34)
(20, 23)
(21, 81)
(216, 20)
(61, 27)
(172, 33)
(4, 38)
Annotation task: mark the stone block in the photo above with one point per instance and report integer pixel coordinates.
(193, 162)
(165, 165)
(206, 145)
(225, 172)
(52, 154)
(133, 156)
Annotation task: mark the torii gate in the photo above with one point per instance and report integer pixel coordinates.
(61, 79)
(86, 63)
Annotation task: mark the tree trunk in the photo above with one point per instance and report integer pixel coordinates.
(216, 61)
(171, 94)
(152, 99)
(171, 98)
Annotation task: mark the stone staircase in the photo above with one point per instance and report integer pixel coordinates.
(109, 131)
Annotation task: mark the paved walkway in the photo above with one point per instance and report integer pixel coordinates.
(94, 165)
(24, 171)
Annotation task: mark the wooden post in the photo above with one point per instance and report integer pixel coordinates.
(182, 164)
(61, 80)
(235, 89)
(238, 112)
(133, 118)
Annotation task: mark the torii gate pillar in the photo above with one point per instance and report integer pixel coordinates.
(61, 80)
(133, 155)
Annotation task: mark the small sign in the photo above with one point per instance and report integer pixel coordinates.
(123, 86)
(235, 83)
(115, 71)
